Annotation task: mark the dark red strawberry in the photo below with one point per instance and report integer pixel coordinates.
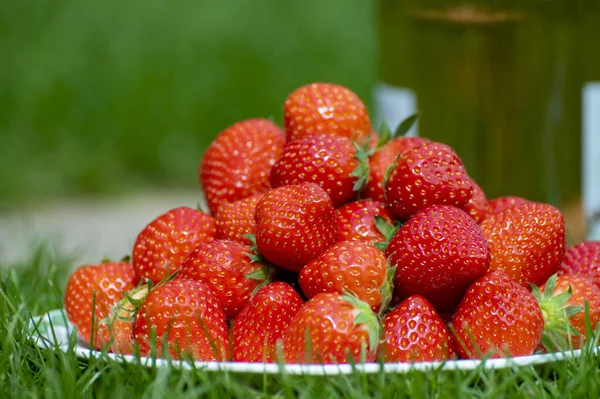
(325, 108)
(499, 204)
(583, 259)
(477, 206)
(235, 220)
(295, 224)
(350, 266)
(168, 240)
(439, 252)
(238, 162)
(259, 326)
(357, 220)
(527, 241)
(187, 317)
(414, 332)
(228, 269)
(497, 317)
(427, 175)
(91, 294)
(332, 328)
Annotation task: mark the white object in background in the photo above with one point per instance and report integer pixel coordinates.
(394, 104)
(591, 158)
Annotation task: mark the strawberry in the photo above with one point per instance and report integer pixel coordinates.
(325, 108)
(583, 259)
(185, 316)
(357, 220)
(499, 204)
(527, 241)
(121, 320)
(350, 266)
(168, 240)
(427, 175)
(382, 159)
(439, 252)
(414, 332)
(497, 317)
(91, 293)
(262, 322)
(332, 328)
(238, 162)
(235, 220)
(325, 159)
(295, 224)
(477, 205)
(228, 269)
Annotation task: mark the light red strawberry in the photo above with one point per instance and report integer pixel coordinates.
(185, 316)
(499, 204)
(497, 317)
(325, 108)
(235, 220)
(583, 259)
(356, 220)
(414, 332)
(261, 323)
(295, 224)
(430, 174)
(168, 240)
(332, 328)
(439, 252)
(229, 269)
(238, 162)
(477, 206)
(91, 293)
(527, 241)
(350, 266)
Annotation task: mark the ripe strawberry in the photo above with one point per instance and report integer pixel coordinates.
(583, 259)
(325, 159)
(477, 205)
(497, 317)
(332, 328)
(350, 266)
(295, 224)
(527, 241)
(499, 204)
(427, 175)
(325, 108)
(168, 240)
(228, 269)
(414, 332)
(439, 252)
(382, 159)
(357, 220)
(235, 220)
(238, 161)
(259, 326)
(92, 291)
(187, 317)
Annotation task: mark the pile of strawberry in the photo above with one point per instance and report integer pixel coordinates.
(328, 242)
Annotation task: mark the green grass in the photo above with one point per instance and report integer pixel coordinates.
(35, 286)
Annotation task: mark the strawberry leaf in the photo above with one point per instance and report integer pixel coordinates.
(406, 125)
(385, 135)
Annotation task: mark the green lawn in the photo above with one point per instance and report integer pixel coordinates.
(25, 371)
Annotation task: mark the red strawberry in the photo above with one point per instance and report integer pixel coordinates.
(357, 220)
(497, 317)
(325, 159)
(238, 162)
(168, 240)
(235, 220)
(477, 205)
(259, 326)
(382, 159)
(414, 332)
(583, 259)
(186, 316)
(228, 269)
(325, 108)
(101, 285)
(351, 266)
(338, 328)
(499, 204)
(527, 241)
(427, 175)
(439, 252)
(295, 224)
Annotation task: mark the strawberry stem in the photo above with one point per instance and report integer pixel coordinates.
(366, 318)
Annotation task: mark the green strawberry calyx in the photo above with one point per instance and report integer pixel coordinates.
(265, 273)
(387, 289)
(388, 230)
(367, 319)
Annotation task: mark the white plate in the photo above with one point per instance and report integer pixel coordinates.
(53, 329)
